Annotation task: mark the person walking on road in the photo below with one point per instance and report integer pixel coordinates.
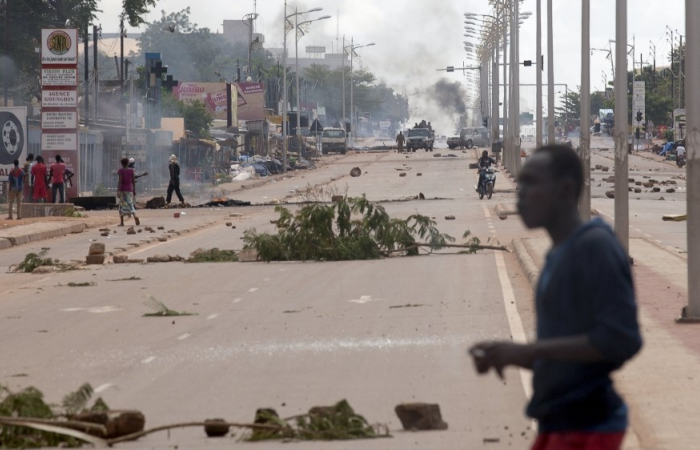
(174, 185)
(586, 314)
(125, 193)
(16, 183)
(27, 169)
(400, 140)
(132, 166)
(57, 173)
(38, 177)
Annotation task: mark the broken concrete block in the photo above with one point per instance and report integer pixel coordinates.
(158, 258)
(419, 174)
(637, 183)
(248, 255)
(161, 228)
(421, 196)
(656, 189)
(163, 239)
(120, 259)
(631, 180)
(131, 231)
(156, 203)
(228, 224)
(402, 174)
(216, 427)
(124, 423)
(648, 185)
(96, 248)
(104, 234)
(420, 416)
(605, 169)
(437, 155)
(95, 259)
(449, 217)
(661, 198)
(610, 194)
(474, 165)
(355, 172)
(598, 167)
(637, 190)
(670, 190)
(337, 198)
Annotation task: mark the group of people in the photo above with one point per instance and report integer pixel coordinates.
(31, 182)
(126, 187)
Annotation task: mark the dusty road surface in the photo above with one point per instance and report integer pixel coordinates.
(284, 335)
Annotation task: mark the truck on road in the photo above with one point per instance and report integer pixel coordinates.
(420, 138)
(333, 140)
(469, 138)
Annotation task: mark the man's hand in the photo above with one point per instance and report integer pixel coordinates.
(500, 354)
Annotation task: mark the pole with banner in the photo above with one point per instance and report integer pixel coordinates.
(59, 101)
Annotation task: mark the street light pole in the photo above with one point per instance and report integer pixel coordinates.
(296, 77)
(692, 104)
(284, 94)
(585, 205)
(506, 84)
(516, 90)
(343, 70)
(6, 7)
(352, 98)
(621, 127)
(550, 75)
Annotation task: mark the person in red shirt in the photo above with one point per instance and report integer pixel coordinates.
(57, 174)
(38, 177)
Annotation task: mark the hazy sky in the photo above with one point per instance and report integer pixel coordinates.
(414, 38)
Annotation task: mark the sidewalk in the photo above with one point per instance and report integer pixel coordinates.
(18, 232)
(662, 384)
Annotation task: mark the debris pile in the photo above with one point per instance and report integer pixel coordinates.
(420, 416)
(350, 229)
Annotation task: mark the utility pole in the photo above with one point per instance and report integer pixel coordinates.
(673, 58)
(692, 102)
(343, 69)
(95, 71)
(121, 64)
(550, 75)
(621, 127)
(516, 89)
(86, 89)
(585, 205)
(494, 86)
(680, 72)
(506, 83)
(538, 104)
(352, 98)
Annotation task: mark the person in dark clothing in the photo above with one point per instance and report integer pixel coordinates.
(400, 140)
(586, 314)
(484, 163)
(174, 184)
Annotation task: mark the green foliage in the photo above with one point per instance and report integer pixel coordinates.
(29, 403)
(350, 229)
(213, 255)
(76, 401)
(160, 310)
(100, 190)
(134, 10)
(71, 212)
(34, 260)
(338, 422)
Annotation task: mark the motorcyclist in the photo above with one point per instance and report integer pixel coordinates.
(484, 163)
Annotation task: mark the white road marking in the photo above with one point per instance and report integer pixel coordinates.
(103, 387)
(237, 300)
(184, 336)
(212, 316)
(657, 241)
(487, 213)
(515, 322)
(73, 309)
(252, 289)
(149, 360)
(365, 299)
(104, 309)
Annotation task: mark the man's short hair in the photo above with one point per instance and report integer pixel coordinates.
(564, 163)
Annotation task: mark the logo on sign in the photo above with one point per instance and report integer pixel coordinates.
(58, 42)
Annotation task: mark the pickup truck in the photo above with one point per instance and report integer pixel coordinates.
(333, 140)
(420, 138)
(469, 138)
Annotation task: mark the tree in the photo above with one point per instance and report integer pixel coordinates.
(24, 32)
(197, 118)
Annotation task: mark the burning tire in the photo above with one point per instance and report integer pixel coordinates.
(11, 138)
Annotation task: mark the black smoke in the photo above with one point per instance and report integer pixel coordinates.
(451, 97)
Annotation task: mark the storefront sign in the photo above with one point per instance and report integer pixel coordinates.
(59, 99)
(59, 77)
(59, 46)
(54, 120)
(59, 141)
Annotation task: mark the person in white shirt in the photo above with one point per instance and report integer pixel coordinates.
(680, 151)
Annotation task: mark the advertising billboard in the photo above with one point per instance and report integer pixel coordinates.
(213, 95)
(13, 138)
(251, 101)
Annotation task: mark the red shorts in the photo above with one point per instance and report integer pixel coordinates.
(579, 440)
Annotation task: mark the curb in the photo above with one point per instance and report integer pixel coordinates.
(13, 241)
(527, 263)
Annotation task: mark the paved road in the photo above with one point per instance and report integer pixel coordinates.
(285, 335)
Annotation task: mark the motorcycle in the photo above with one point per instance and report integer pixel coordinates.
(680, 161)
(488, 180)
